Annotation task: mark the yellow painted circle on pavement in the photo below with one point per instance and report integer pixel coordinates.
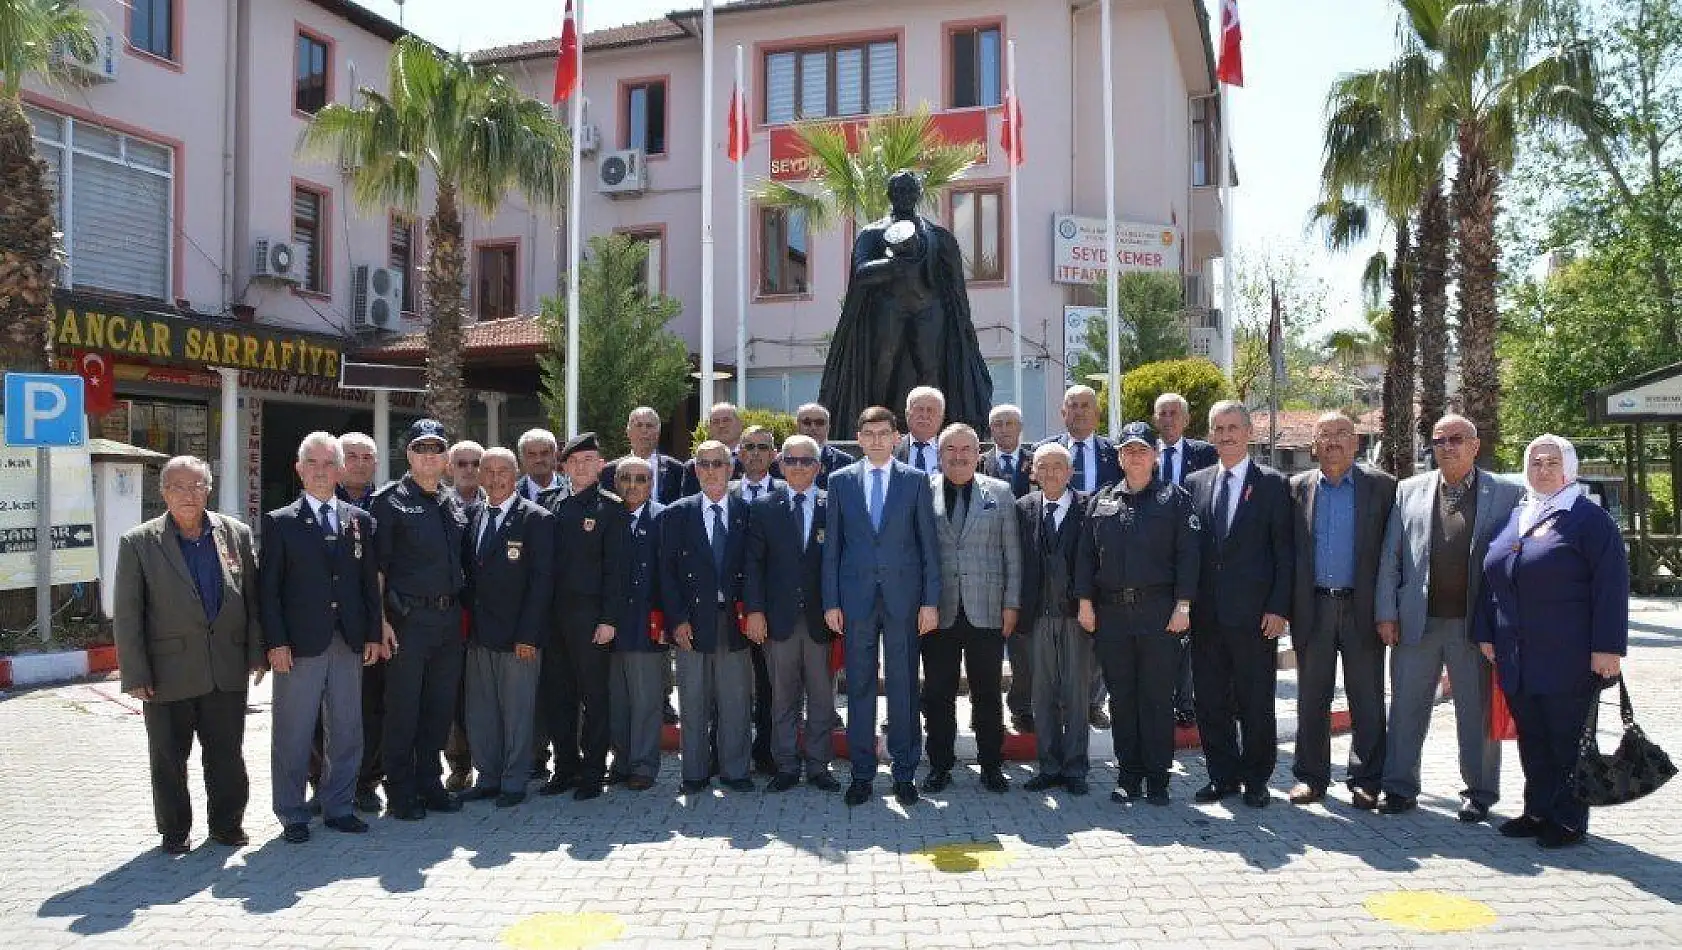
(959, 857)
(563, 931)
(1430, 911)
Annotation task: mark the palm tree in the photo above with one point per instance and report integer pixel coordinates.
(29, 236)
(477, 137)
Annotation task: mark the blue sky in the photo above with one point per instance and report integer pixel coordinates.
(1293, 49)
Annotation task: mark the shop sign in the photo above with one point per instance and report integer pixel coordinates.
(1080, 255)
(791, 162)
(89, 325)
(75, 557)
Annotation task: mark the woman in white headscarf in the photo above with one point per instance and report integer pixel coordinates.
(1555, 621)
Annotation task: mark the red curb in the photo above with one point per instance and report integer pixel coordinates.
(5, 673)
(102, 659)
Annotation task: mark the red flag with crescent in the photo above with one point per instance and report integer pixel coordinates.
(101, 384)
(1231, 68)
(566, 64)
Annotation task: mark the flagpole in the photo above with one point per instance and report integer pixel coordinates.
(739, 109)
(1111, 265)
(707, 381)
(1229, 318)
(575, 224)
(1015, 270)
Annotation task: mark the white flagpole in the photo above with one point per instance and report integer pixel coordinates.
(1015, 255)
(575, 219)
(1229, 319)
(1113, 315)
(741, 103)
(707, 133)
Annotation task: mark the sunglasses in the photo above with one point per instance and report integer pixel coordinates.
(798, 461)
(711, 463)
(427, 448)
(465, 463)
(814, 422)
(1455, 440)
(632, 478)
(758, 447)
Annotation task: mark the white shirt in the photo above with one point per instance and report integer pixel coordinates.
(748, 485)
(1239, 472)
(493, 513)
(1173, 477)
(929, 455)
(1059, 509)
(707, 514)
(637, 514)
(536, 489)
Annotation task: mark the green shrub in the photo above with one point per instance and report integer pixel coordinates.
(1200, 381)
(781, 423)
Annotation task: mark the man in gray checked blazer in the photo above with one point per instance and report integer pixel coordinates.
(980, 594)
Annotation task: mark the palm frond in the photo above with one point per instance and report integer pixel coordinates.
(1375, 278)
(30, 30)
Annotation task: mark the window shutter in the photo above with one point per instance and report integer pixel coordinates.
(849, 81)
(306, 232)
(119, 228)
(884, 77)
(814, 84)
(779, 87)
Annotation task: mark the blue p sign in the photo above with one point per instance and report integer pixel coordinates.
(45, 410)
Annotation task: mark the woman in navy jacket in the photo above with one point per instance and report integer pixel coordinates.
(1555, 621)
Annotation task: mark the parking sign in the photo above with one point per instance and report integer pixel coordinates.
(45, 410)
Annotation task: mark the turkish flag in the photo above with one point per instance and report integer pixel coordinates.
(1231, 69)
(739, 140)
(1010, 134)
(101, 385)
(566, 66)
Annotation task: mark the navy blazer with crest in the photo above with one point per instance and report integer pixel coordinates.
(1109, 463)
(832, 460)
(640, 592)
(1020, 483)
(309, 586)
(1252, 571)
(784, 580)
(1030, 512)
(509, 577)
(689, 584)
(669, 477)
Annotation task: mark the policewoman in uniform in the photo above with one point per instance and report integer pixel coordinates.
(418, 535)
(1136, 568)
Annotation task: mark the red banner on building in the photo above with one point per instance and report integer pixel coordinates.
(789, 161)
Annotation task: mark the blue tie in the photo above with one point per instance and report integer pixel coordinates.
(718, 541)
(1168, 474)
(876, 495)
(1080, 466)
(1008, 464)
(1222, 497)
(922, 464)
(800, 516)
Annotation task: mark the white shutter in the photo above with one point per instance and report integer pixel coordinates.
(849, 81)
(120, 227)
(884, 77)
(814, 84)
(779, 88)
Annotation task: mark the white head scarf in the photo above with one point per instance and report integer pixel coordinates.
(1537, 506)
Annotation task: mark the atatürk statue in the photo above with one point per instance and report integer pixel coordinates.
(906, 321)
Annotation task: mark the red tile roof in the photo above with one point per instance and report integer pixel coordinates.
(631, 34)
(508, 335)
(1296, 426)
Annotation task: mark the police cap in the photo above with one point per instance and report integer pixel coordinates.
(422, 430)
(1140, 432)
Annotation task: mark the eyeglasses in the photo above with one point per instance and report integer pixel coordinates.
(758, 447)
(467, 463)
(815, 423)
(798, 461)
(427, 448)
(710, 463)
(632, 478)
(1456, 440)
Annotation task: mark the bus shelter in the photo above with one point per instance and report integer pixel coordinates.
(1644, 406)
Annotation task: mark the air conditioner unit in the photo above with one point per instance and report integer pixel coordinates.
(589, 138)
(275, 260)
(622, 174)
(101, 67)
(379, 297)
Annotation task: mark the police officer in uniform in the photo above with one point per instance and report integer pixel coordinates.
(590, 532)
(1136, 569)
(418, 535)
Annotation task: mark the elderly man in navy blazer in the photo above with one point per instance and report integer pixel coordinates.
(784, 603)
(881, 590)
(642, 430)
(319, 592)
(637, 691)
(703, 541)
(509, 565)
(812, 420)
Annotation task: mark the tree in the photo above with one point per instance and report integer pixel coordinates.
(478, 138)
(1153, 325)
(1302, 301)
(29, 238)
(1200, 381)
(627, 354)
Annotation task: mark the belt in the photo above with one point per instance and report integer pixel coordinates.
(1131, 595)
(440, 602)
(1335, 593)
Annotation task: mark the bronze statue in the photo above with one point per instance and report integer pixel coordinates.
(905, 321)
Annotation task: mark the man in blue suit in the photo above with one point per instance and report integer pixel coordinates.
(881, 591)
(1178, 455)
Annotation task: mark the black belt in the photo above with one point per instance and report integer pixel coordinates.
(1335, 593)
(1132, 595)
(440, 602)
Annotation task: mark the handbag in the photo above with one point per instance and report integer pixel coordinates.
(1502, 725)
(1637, 768)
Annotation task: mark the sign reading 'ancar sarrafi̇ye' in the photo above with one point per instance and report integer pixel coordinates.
(192, 342)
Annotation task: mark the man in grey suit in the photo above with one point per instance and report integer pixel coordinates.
(1339, 513)
(980, 594)
(187, 637)
(1428, 579)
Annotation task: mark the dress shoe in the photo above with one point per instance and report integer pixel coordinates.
(540, 773)
(1043, 782)
(1303, 793)
(456, 781)
(1558, 836)
(695, 786)
(994, 781)
(1097, 717)
(1257, 796)
(1022, 725)
(510, 799)
(479, 793)
(1472, 812)
(1523, 826)
(412, 811)
(556, 786)
(783, 782)
(1213, 792)
(905, 793)
(824, 782)
(1157, 795)
(1397, 804)
(230, 837)
(618, 778)
(639, 783)
(858, 793)
(936, 782)
(349, 824)
(586, 791)
(175, 847)
(441, 801)
(1125, 792)
(1076, 786)
(1363, 799)
(368, 802)
(296, 833)
(764, 765)
(742, 785)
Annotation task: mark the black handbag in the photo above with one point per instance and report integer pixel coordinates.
(1638, 768)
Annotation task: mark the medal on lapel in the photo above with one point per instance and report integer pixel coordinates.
(355, 539)
(514, 548)
(589, 524)
(227, 553)
(818, 536)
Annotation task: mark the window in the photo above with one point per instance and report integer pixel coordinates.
(151, 27)
(309, 237)
(976, 67)
(1205, 141)
(652, 281)
(118, 225)
(402, 258)
(977, 223)
(495, 281)
(309, 92)
(832, 81)
(645, 117)
(783, 260)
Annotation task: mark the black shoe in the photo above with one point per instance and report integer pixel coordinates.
(1157, 795)
(479, 793)
(1397, 804)
(905, 793)
(1523, 826)
(994, 781)
(936, 782)
(1213, 792)
(414, 811)
(540, 773)
(175, 847)
(556, 786)
(586, 791)
(1124, 792)
(296, 833)
(824, 782)
(1076, 786)
(1043, 782)
(1363, 799)
(1098, 718)
(1472, 812)
(765, 765)
(441, 801)
(742, 785)
(510, 799)
(695, 786)
(617, 778)
(858, 793)
(456, 782)
(314, 805)
(349, 824)
(1557, 836)
(231, 837)
(368, 802)
(1257, 796)
(783, 782)
(1023, 725)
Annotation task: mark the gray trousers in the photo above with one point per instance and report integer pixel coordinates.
(1062, 664)
(636, 700)
(328, 687)
(715, 701)
(1415, 669)
(1335, 634)
(501, 694)
(800, 676)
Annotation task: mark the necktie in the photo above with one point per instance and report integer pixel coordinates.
(327, 527)
(491, 517)
(876, 497)
(1049, 532)
(1080, 465)
(753, 492)
(1169, 475)
(800, 517)
(718, 543)
(922, 463)
(1222, 522)
(1007, 464)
